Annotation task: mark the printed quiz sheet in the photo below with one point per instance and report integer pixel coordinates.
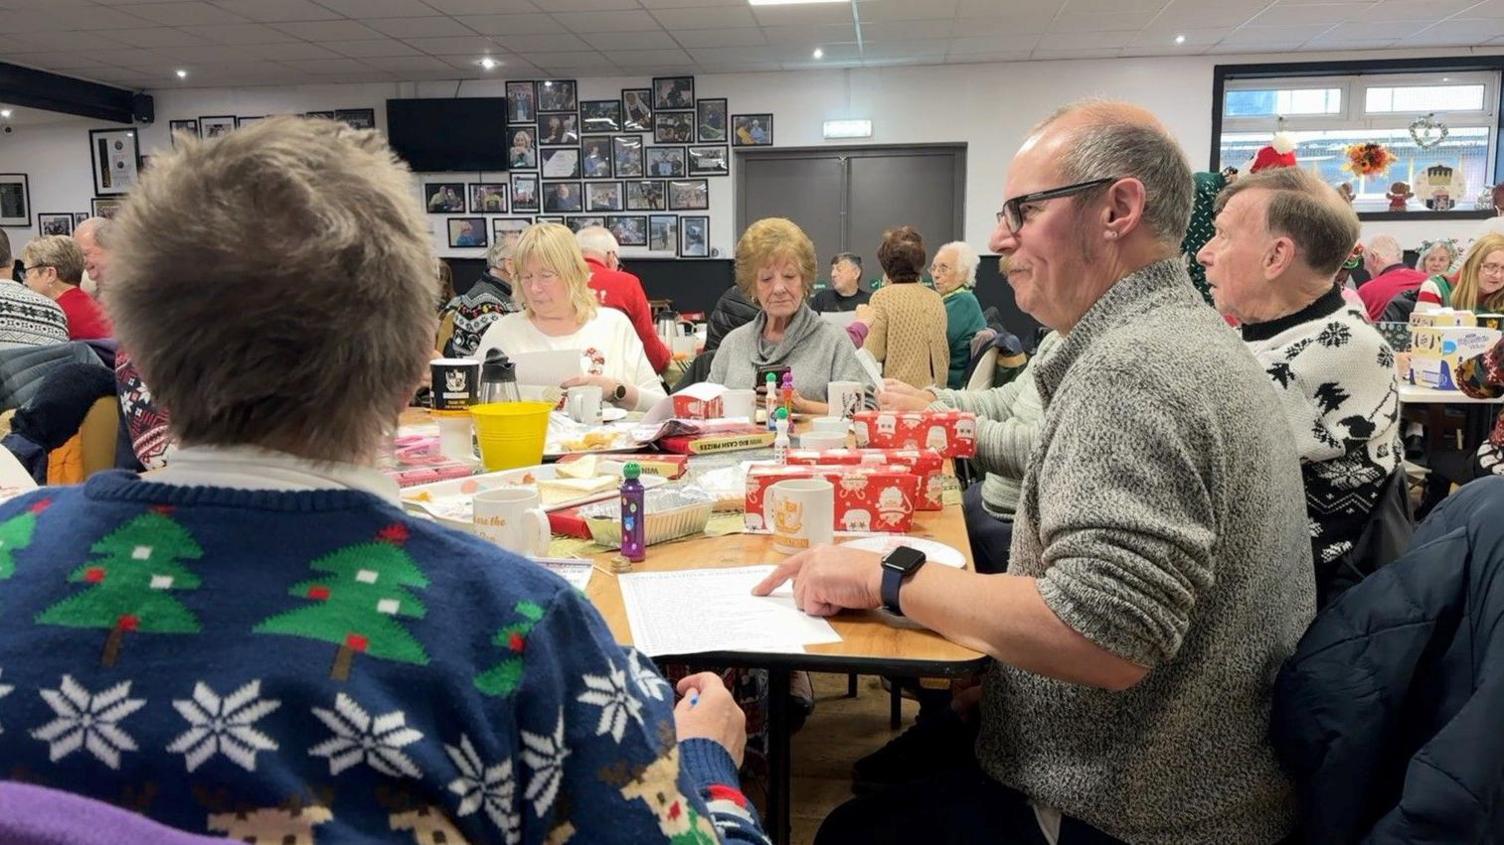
(700, 610)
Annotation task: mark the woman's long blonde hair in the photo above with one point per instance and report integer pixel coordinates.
(1465, 292)
(555, 248)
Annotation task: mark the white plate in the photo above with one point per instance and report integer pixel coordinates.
(613, 413)
(450, 501)
(933, 552)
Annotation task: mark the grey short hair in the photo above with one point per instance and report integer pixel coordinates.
(501, 249)
(58, 252)
(276, 287)
(856, 260)
(597, 240)
(966, 259)
(1385, 248)
(1305, 209)
(1108, 147)
(96, 227)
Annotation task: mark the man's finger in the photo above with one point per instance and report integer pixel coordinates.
(783, 572)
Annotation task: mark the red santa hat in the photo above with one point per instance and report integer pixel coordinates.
(1279, 153)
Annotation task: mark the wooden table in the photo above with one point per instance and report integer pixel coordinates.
(870, 644)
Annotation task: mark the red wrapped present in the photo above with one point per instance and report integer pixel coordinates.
(868, 498)
(688, 407)
(928, 464)
(951, 433)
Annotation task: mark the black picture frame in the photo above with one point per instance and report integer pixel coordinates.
(522, 156)
(188, 125)
(522, 101)
(689, 195)
(557, 219)
(579, 222)
(673, 127)
(444, 197)
(600, 116)
(115, 155)
(645, 195)
(663, 233)
(560, 162)
(481, 193)
(673, 92)
(694, 236)
(561, 129)
(524, 192)
(106, 207)
(79, 217)
(326, 115)
(596, 157)
(603, 196)
(241, 122)
(60, 223)
(751, 122)
(708, 160)
(626, 156)
(479, 232)
(554, 203)
(655, 157)
(637, 109)
(628, 229)
(711, 120)
(357, 118)
(501, 226)
(557, 95)
(215, 125)
(15, 200)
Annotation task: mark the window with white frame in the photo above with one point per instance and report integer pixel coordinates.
(1326, 114)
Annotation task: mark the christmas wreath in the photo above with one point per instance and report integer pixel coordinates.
(1368, 159)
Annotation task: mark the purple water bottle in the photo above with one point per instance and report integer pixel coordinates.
(633, 547)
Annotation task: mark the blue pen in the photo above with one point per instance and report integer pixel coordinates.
(694, 698)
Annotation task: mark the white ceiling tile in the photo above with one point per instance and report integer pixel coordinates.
(1166, 40)
(655, 40)
(746, 37)
(1102, 22)
(735, 55)
(999, 56)
(1410, 10)
(537, 24)
(362, 9)
(994, 44)
(158, 36)
(325, 31)
(809, 36)
(557, 6)
(267, 11)
(633, 21)
(321, 66)
(1488, 9)
(931, 47)
(687, 4)
(1305, 13)
(53, 62)
(555, 43)
(1095, 7)
(901, 30)
(126, 56)
(66, 43)
(1274, 34)
(676, 20)
(577, 71)
(22, 23)
(1461, 31)
(564, 57)
(402, 64)
(432, 27)
(885, 11)
(471, 45)
(1062, 41)
(248, 53)
(1055, 55)
(380, 47)
(1004, 8)
(184, 14)
(1374, 30)
(487, 7)
(648, 58)
(1027, 23)
(238, 33)
(1194, 15)
(793, 16)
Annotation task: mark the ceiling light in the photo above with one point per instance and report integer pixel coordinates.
(790, 2)
(182, 74)
(1180, 39)
(819, 54)
(488, 63)
(5, 113)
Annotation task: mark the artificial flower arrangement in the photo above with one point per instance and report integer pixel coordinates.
(1368, 159)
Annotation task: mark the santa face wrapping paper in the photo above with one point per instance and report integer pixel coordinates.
(927, 464)
(951, 433)
(868, 498)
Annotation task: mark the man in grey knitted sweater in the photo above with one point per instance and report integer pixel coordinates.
(1160, 570)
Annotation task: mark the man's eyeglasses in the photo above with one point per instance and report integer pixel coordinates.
(1012, 214)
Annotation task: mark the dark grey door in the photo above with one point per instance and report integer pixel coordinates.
(918, 189)
(807, 189)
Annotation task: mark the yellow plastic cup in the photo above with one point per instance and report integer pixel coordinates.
(511, 434)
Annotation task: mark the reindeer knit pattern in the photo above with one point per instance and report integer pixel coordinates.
(318, 667)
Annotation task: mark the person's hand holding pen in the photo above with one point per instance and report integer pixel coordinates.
(707, 711)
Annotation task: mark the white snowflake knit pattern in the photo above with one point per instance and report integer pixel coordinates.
(491, 787)
(648, 680)
(223, 726)
(88, 721)
(545, 756)
(610, 693)
(359, 738)
(4, 691)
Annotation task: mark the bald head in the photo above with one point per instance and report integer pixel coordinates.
(92, 236)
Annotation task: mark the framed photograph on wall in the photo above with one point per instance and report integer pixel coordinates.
(357, 118)
(673, 127)
(559, 130)
(466, 232)
(666, 162)
(523, 154)
(752, 130)
(663, 233)
(557, 95)
(444, 197)
(577, 223)
(213, 127)
(504, 226)
(646, 195)
(710, 117)
(629, 230)
(79, 217)
(596, 161)
(15, 200)
(247, 121)
(673, 92)
(694, 237)
(55, 224)
(626, 154)
(488, 198)
(327, 115)
(689, 195)
(116, 160)
(603, 196)
(549, 219)
(709, 161)
(106, 208)
(562, 197)
(522, 102)
(561, 163)
(600, 115)
(189, 126)
(524, 192)
(637, 109)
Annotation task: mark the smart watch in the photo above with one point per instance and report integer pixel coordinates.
(898, 565)
(619, 393)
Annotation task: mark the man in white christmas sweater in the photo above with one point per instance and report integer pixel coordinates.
(1280, 238)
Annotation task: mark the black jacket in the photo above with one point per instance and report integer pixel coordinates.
(732, 310)
(1389, 713)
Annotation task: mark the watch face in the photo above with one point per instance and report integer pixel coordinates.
(903, 559)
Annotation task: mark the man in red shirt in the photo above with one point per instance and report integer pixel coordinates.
(620, 290)
(1389, 277)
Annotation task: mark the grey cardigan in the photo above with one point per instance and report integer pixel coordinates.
(1164, 517)
(816, 351)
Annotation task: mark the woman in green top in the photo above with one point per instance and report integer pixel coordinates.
(1479, 285)
(955, 273)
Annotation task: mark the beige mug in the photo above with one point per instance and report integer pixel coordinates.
(513, 518)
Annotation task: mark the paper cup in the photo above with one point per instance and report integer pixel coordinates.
(455, 384)
(513, 518)
(801, 512)
(821, 441)
(830, 425)
(845, 398)
(739, 404)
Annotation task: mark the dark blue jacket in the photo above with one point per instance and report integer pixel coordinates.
(1390, 715)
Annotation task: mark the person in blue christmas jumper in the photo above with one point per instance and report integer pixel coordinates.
(256, 641)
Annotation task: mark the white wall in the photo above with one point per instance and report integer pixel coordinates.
(989, 107)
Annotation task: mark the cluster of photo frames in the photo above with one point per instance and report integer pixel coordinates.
(593, 162)
(214, 126)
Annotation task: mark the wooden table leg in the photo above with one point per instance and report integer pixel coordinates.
(780, 794)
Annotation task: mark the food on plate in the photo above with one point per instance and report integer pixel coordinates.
(592, 441)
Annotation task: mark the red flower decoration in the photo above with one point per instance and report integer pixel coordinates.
(516, 642)
(356, 642)
(128, 622)
(319, 592)
(396, 534)
(1368, 159)
(94, 574)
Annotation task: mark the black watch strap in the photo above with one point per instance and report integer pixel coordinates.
(898, 565)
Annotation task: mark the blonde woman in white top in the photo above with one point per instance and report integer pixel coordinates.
(559, 313)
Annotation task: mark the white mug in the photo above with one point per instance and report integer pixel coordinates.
(739, 404)
(801, 513)
(830, 425)
(513, 518)
(820, 440)
(583, 404)
(846, 398)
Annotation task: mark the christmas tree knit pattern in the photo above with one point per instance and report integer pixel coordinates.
(357, 605)
(15, 535)
(134, 569)
(504, 677)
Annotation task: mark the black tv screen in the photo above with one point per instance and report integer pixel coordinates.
(456, 133)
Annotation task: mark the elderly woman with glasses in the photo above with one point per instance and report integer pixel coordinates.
(1480, 282)
(559, 312)
(55, 269)
(260, 625)
(955, 273)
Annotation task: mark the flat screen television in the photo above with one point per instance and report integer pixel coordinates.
(448, 134)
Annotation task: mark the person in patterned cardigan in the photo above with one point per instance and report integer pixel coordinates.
(1281, 236)
(256, 640)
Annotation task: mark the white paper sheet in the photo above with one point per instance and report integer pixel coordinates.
(576, 572)
(547, 369)
(699, 610)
